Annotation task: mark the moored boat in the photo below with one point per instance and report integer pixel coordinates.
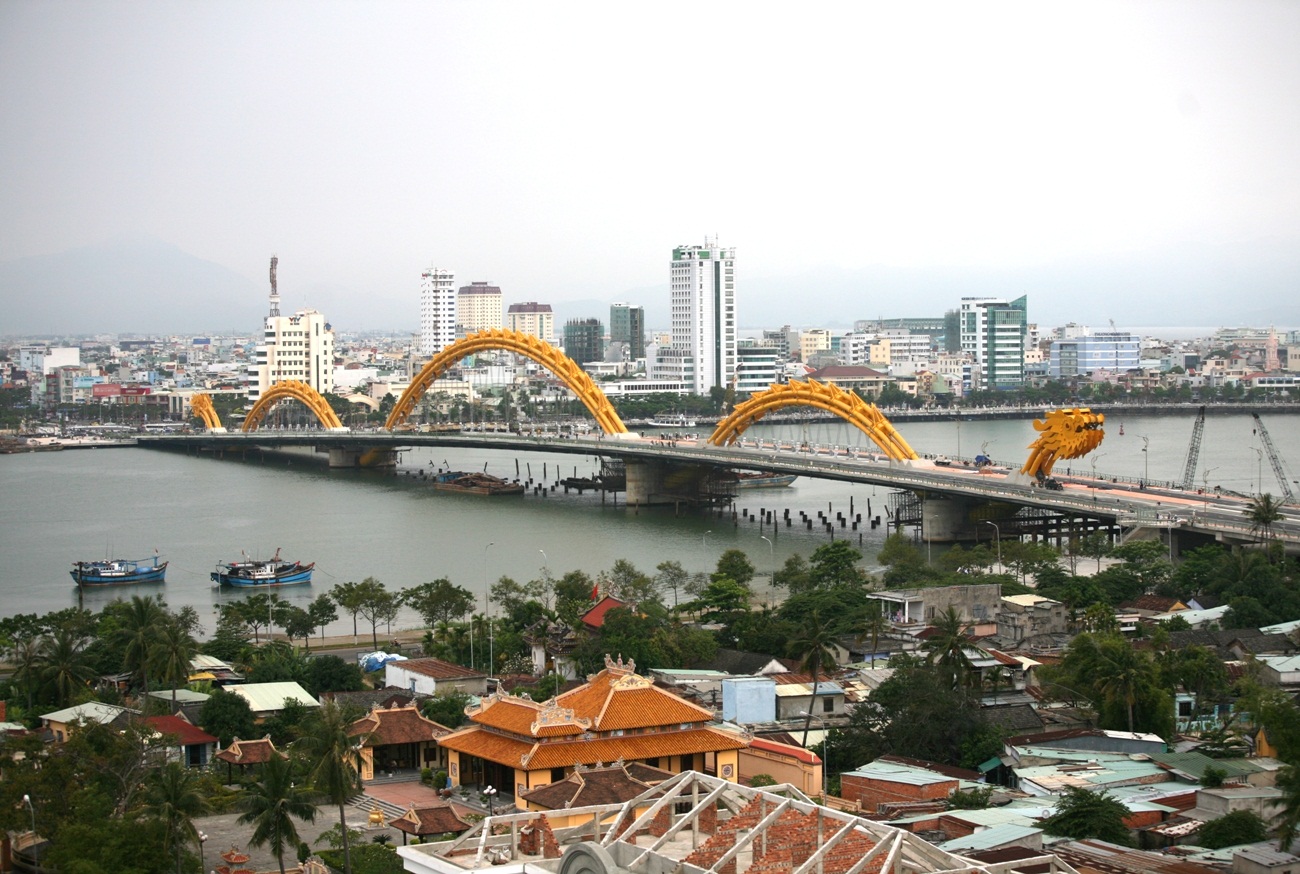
(476, 483)
(670, 421)
(256, 573)
(119, 571)
(748, 480)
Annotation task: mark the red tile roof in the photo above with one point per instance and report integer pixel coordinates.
(398, 725)
(795, 752)
(595, 617)
(534, 756)
(438, 669)
(249, 752)
(618, 699)
(185, 731)
(436, 820)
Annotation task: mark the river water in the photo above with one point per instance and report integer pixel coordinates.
(61, 507)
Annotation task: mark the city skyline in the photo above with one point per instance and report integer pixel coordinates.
(1106, 159)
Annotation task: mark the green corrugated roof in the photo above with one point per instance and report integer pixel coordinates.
(1194, 764)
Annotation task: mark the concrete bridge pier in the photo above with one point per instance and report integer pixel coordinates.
(356, 456)
(645, 482)
(948, 519)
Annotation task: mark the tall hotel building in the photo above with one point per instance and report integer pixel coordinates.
(298, 347)
(532, 318)
(478, 307)
(437, 310)
(993, 333)
(703, 350)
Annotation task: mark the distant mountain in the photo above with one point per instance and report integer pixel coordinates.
(142, 286)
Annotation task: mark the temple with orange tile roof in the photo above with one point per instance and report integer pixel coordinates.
(515, 744)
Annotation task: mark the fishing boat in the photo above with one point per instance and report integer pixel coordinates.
(670, 421)
(255, 573)
(119, 571)
(748, 480)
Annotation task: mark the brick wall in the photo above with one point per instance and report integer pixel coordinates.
(872, 792)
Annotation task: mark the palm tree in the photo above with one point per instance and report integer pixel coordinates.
(64, 664)
(948, 646)
(872, 625)
(174, 797)
(815, 644)
(1264, 511)
(328, 744)
(25, 657)
(272, 805)
(172, 653)
(139, 630)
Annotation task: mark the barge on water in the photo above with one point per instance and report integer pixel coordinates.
(475, 483)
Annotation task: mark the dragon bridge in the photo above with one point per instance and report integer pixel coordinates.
(824, 396)
(201, 406)
(298, 391)
(564, 367)
(1068, 433)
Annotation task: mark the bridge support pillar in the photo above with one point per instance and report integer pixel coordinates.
(948, 519)
(355, 456)
(645, 482)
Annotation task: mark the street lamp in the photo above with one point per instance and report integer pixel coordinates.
(998, 534)
(27, 799)
(826, 748)
(1146, 461)
(491, 794)
(203, 839)
(771, 559)
(487, 608)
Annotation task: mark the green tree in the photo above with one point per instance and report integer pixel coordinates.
(174, 797)
(334, 774)
(25, 658)
(836, 564)
(1082, 814)
(1231, 829)
(793, 575)
(271, 806)
(298, 623)
(137, 633)
(447, 708)
(735, 565)
(672, 576)
(440, 601)
(872, 625)
(378, 605)
(947, 648)
(720, 599)
(227, 716)
(814, 646)
(1264, 512)
(322, 611)
(172, 654)
(1095, 546)
(350, 597)
(64, 665)
(573, 596)
(628, 584)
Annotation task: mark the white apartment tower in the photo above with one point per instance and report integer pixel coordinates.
(703, 317)
(298, 347)
(437, 310)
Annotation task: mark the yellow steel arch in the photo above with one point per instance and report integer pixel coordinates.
(299, 391)
(824, 396)
(1068, 433)
(527, 345)
(201, 406)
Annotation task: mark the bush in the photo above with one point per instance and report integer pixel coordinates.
(762, 780)
(1238, 827)
(367, 859)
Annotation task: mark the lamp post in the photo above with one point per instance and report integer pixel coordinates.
(826, 747)
(27, 799)
(997, 532)
(487, 608)
(491, 793)
(203, 839)
(545, 562)
(1146, 461)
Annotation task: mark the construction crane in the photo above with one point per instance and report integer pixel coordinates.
(1194, 449)
(1275, 460)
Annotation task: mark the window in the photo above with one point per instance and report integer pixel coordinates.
(828, 705)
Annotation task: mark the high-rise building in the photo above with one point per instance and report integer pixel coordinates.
(993, 332)
(627, 325)
(299, 347)
(437, 310)
(584, 340)
(703, 349)
(478, 307)
(533, 318)
(1112, 351)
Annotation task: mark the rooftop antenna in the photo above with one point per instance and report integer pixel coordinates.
(275, 294)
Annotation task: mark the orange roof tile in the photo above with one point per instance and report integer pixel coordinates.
(397, 725)
(648, 707)
(629, 749)
(477, 741)
(507, 713)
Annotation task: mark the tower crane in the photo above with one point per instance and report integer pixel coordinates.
(1194, 449)
(1274, 459)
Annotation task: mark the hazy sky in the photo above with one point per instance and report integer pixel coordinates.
(562, 149)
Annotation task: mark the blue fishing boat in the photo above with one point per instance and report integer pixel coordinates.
(255, 573)
(119, 571)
